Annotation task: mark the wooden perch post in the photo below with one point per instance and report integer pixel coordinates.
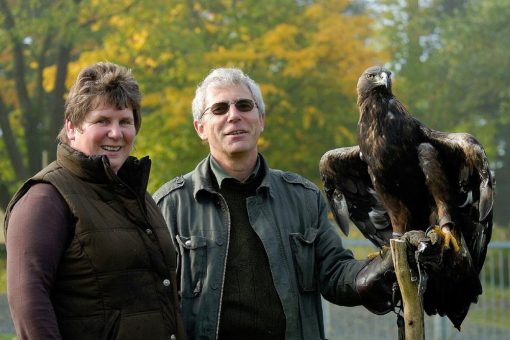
(413, 308)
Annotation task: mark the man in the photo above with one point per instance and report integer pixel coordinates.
(256, 249)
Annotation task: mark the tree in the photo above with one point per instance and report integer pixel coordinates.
(451, 81)
(40, 39)
(306, 55)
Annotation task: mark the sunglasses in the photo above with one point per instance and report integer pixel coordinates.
(220, 108)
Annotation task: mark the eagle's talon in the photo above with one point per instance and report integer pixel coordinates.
(449, 241)
(380, 252)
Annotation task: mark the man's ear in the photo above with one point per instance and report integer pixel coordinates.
(262, 121)
(200, 129)
(70, 130)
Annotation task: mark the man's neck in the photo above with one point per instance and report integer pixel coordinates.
(239, 168)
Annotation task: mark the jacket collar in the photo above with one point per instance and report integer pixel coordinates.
(203, 182)
(96, 169)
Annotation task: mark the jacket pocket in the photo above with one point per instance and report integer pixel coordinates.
(303, 253)
(193, 251)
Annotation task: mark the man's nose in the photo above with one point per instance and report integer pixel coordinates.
(233, 112)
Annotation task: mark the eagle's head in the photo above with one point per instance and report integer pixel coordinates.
(374, 78)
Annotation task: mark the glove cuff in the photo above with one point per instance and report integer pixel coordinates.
(374, 284)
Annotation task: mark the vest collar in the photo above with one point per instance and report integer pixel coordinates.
(134, 172)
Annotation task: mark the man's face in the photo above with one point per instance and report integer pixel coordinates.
(235, 133)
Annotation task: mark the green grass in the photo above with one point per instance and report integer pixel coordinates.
(7, 337)
(494, 311)
(3, 277)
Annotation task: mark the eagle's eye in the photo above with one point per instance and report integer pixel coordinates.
(370, 75)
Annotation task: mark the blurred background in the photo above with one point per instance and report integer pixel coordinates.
(450, 61)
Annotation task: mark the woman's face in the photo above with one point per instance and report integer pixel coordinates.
(105, 131)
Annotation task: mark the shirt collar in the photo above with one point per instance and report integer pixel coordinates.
(222, 175)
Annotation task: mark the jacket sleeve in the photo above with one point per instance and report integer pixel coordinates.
(337, 267)
(39, 230)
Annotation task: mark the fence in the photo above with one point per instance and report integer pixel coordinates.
(489, 319)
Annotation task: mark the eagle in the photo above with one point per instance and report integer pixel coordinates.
(403, 176)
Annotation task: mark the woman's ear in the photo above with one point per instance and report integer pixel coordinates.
(70, 130)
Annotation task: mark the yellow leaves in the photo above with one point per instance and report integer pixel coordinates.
(306, 56)
(280, 40)
(146, 62)
(197, 6)
(165, 56)
(263, 143)
(312, 114)
(177, 10)
(269, 89)
(210, 28)
(118, 21)
(138, 39)
(344, 136)
(152, 99)
(307, 116)
(322, 9)
(322, 36)
(8, 91)
(96, 26)
(236, 57)
(245, 34)
(175, 106)
(86, 59)
(283, 43)
(49, 78)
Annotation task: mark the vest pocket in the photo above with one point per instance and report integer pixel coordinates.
(111, 328)
(91, 327)
(193, 251)
(303, 253)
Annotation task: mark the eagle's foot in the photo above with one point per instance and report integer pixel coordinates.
(449, 241)
(381, 252)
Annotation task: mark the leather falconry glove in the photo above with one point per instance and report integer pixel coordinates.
(376, 282)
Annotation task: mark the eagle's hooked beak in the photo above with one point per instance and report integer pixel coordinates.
(382, 79)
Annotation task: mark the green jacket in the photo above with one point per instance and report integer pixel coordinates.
(304, 250)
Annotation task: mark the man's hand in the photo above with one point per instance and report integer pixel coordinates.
(376, 283)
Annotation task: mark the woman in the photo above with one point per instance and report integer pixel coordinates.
(88, 252)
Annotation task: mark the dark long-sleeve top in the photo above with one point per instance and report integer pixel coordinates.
(41, 226)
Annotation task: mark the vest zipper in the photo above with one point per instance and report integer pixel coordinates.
(142, 206)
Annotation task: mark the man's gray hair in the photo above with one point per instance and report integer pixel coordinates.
(225, 77)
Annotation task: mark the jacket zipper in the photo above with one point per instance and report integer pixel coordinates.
(225, 210)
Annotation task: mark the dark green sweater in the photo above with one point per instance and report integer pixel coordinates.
(250, 308)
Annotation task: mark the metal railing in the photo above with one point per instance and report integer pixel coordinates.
(488, 319)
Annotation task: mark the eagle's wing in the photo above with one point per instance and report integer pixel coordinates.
(351, 195)
(467, 169)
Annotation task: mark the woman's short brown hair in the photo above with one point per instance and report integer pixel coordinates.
(102, 83)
